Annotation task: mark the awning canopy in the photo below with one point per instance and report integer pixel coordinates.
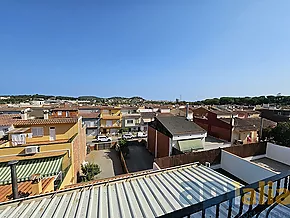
(46, 167)
(189, 145)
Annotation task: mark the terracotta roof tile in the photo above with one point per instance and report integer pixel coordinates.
(45, 121)
(65, 109)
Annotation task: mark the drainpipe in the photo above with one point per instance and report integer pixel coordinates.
(12, 165)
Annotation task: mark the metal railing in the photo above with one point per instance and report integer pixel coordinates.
(269, 191)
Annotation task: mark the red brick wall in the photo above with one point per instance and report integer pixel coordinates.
(215, 127)
(151, 139)
(79, 149)
(162, 145)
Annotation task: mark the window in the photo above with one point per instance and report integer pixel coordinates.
(59, 113)
(37, 131)
(67, 114)
(109, 123)
(129, 121)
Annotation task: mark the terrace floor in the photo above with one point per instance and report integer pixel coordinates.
(273, 165)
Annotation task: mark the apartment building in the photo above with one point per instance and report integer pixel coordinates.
(131, 119)
(111, 119)
(49, 147)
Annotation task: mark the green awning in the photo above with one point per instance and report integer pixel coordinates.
(46, 167)
(189, 145)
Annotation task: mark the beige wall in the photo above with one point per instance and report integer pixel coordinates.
(62, 131)
(69, 178)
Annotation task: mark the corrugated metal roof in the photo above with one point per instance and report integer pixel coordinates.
(44, 166)
(148, 195)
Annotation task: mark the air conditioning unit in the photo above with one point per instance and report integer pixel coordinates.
(32, 150)
(207, 164)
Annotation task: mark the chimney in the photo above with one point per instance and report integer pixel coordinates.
(12, 165)
(45, 114)
(36, 184)
(187, 111)
(24, 115)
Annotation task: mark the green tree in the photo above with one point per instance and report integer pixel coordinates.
(124, 147)
(281, 134)
(90, 170)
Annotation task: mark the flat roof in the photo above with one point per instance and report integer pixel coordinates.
(214, 143)
(149, 194)
(271, 164)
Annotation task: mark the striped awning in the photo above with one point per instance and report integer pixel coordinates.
(46, 167)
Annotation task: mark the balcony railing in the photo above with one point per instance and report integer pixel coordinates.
(248, 201)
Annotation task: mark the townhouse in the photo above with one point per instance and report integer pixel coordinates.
(169, 134)
(48, 147)
(111, 119)
(131, 119)
(91, 117)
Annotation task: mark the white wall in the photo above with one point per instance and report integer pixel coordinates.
(185, 137)
(243, 169)
(278, 153)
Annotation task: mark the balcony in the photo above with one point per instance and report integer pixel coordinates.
(110, 117)
(111, 126)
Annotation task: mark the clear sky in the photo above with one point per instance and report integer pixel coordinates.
(156, 49)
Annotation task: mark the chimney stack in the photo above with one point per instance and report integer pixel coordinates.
(45, 114)
(24, 115)
(187, 111)
(36, 184)
(12, 165)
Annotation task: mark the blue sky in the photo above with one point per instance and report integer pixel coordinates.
(157, 49)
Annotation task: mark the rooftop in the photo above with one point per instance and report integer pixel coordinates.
(179, 125)
(45, 121)
(146, 195)
(23, 187)
(249, 124)
(271, 164)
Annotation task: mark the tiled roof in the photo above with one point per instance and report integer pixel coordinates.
(249, 124)
(46, 167)
(45, 121)
(9, 116)
(15, 109)
(65, 109)
(23, 187)
(8, 119)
